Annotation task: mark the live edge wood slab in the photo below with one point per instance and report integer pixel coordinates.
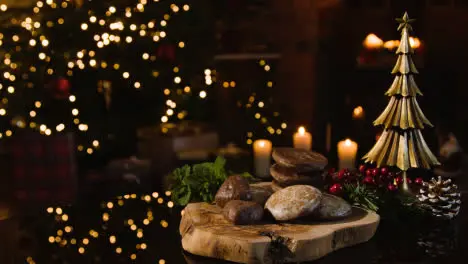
(206, 233)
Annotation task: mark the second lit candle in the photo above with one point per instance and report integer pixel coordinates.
(302, 139)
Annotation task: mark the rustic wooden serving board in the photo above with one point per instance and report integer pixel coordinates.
(206, 233)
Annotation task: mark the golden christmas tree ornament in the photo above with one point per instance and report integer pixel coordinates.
(401, 143)
(404, 85)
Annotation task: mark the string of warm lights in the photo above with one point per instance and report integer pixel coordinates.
(258, 105)
(112, 32)
(115, 26)
(64, 235)
(43, 55)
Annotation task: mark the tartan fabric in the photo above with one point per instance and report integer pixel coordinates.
(43, 169)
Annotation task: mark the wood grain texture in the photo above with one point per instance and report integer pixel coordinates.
(206, 233)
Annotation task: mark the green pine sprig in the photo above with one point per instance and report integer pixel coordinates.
(361, 196)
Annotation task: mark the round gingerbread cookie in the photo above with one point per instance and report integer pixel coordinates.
(287, 176)
(302, 160)
(293, 202)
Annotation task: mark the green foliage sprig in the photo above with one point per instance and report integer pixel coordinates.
(199, 182)
(361, 196)
(394, 207)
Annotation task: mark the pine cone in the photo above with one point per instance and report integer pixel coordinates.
(440, 197)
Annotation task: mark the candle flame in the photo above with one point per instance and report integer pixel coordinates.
(301, 130)
(393, 44)
(348, 142)
(373, 42)
(261, 144)
(414, 42)
(358, 112)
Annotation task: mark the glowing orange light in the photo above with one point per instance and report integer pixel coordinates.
(373, 42)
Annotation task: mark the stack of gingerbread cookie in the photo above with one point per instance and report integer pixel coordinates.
(296, 166)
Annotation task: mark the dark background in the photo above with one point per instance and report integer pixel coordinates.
(318, 80)
(312, 47)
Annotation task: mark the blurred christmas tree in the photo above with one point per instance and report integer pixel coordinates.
(70, 64)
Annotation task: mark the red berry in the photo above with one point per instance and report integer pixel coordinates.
(399, 180)
(382, 178)
(384, 171)
(418, 180)
(392, 187)
(331, 171)
(335, 189)
(348, 174)
(369, 172)
(362, 168)
(368, 180)
(375, 172)
(408, 180)
(343, 173)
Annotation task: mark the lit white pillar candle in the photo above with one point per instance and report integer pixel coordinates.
(302, 139)
(262, 157)
(347, 150)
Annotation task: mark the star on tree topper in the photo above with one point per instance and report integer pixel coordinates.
(405, 22)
